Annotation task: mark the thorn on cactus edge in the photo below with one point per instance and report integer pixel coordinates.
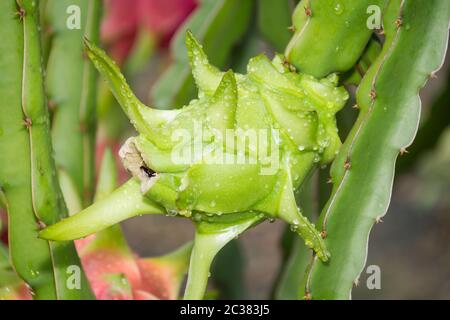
(51, 105)
(49, 30)
(308, 11)
(403, 151)
(373, 94)
(83, 127)
(380, 31)
(27, 122)
(307, 296)
(323, 234)
(398, 22)
(378, 220)
(292, 29)
(329, 181)
(347, 164)
(288, 65)
(41, 225)
(21, 13)
(433, 75)
(355, 106)
(356, 282)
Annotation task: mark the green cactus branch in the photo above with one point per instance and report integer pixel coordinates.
(71, 89)
(342, 29)
(28, 174)
(415, 45)
(430, 131)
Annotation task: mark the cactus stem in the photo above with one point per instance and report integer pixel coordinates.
(341, 183)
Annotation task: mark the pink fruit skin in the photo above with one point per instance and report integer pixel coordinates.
(102, 262)
(124, 18)
(158, 279)
(148, 280)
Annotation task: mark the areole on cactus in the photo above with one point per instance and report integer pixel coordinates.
(295, 112)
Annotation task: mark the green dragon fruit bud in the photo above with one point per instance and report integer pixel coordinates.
(245, 145)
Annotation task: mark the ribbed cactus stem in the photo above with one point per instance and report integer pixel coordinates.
(72, 91)
(416, 41)
(27, 169)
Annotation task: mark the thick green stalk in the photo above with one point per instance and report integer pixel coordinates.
(71, 86)
(330, 35)
(362, 174)
(27, 170)
(219, 24)
(209, 239)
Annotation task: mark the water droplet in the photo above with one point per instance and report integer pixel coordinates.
(171, 212)
(338, 8)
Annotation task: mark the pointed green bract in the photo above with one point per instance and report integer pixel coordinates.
(124, 203)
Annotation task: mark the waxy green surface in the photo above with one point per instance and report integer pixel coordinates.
(362, 174)
(27, 170)
(330, 35)
(71, 87)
